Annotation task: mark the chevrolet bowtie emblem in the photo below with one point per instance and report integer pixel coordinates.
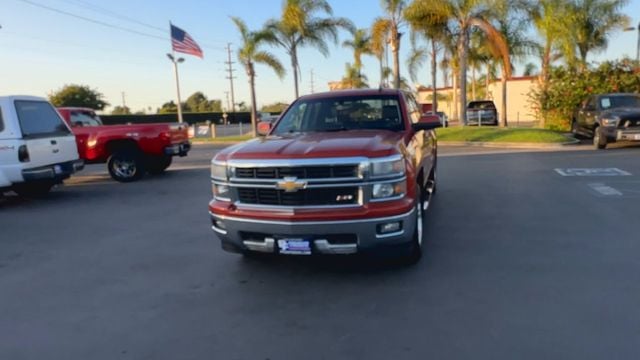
(291, 184)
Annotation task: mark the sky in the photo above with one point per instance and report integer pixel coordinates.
(42, 50)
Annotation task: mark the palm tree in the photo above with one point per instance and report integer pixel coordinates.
(387, 29)
(465, 14)
(555, 34)
(592, 23)
(512, 28)
(250, 54)
(360, 45)
(434, 33)
(353, 78)
(299, 26)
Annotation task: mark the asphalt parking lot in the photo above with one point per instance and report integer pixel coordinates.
(521, 262)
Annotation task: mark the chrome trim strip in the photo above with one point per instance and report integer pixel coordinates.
(218, 230)
(377, 200)
(307, 223)
(241, 205)
(297, 162)
(314, 180)
(384, 236)
(268, 245)
(323, 246)
(272, 184)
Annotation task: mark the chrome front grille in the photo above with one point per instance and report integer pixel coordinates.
(300, 172)
(306, 197)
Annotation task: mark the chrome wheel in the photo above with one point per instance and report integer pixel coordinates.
(124, 168)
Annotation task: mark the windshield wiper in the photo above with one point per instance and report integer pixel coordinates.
(336, 129)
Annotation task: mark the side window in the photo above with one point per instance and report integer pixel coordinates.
(591, 104)
(1, 121)
(413, 108)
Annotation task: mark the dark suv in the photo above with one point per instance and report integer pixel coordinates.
(608, 118)
(482, 112)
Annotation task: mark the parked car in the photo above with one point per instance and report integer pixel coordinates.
(129, 150)
(444, 119)
(608, 118)
(37, 149)
(482, 112)
(341, 172)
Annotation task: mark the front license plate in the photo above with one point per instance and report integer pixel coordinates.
(57, 169)
(636, 137)
(294, 246)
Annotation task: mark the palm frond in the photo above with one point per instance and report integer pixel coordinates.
(266, 58)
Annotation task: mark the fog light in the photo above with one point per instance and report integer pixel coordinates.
(218, 224)
(391, 227)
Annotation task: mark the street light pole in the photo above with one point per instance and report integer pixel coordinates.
(175, 71)
(638, 45)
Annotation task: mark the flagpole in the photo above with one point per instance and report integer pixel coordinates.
(175, 62)
(175, 71)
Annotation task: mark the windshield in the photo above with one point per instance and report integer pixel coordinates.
(482, 105)
(611, 102)
(380, 112)
(84, 118)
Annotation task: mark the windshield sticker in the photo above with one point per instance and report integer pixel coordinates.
(605, 103)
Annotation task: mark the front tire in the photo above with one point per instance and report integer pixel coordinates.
(158, 164)
(126, 166)
(599, 139)
(415, 246)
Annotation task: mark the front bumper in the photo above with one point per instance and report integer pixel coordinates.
(181, 149)
(55, 172)
(242, 234)
(614, 134)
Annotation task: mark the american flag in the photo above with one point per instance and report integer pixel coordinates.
(182, 42)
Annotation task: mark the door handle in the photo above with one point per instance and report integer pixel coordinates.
(54, 142)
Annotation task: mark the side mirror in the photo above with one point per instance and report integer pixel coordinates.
(264, 128)
(427, 122)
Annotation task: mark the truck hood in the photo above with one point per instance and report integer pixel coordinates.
(367, 143)
(623, 113)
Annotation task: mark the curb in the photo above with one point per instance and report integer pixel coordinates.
(511, 145)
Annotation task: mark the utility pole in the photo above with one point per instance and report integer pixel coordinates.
(175, 71)
(311, 77)
(226, 94)
(124, 103)
(230, 70)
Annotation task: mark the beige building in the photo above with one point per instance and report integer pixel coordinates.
(519, 106)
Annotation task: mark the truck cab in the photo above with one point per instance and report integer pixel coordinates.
(37, 148)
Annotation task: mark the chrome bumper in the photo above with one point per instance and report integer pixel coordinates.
(57, 172)
(178, 149)
(230, 230)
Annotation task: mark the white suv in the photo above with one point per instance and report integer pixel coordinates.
(37, 148)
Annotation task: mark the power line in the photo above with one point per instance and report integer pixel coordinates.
(230, 69)
(94, 21)
(111, 13)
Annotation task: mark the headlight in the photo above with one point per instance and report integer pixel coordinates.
(221, 192)
(388, 167)
(219, 170)
(387, 190)
(610, 121)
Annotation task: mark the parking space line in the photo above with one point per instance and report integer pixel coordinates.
(605, 190)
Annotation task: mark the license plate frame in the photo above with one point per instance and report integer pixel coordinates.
(294, 246)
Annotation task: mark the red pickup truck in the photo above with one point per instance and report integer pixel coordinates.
(340, 172)
(129, 150)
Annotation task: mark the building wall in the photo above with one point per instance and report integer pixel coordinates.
(519, 106)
